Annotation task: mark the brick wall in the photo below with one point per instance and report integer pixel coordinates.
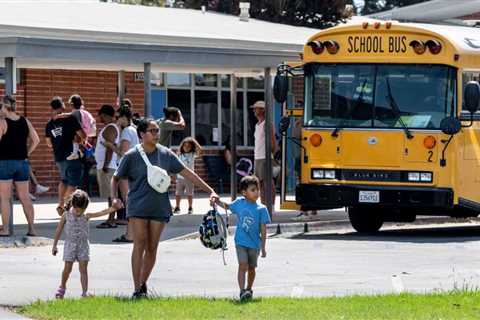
(38, 86)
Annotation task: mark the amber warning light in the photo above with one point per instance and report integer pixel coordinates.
(319, 46)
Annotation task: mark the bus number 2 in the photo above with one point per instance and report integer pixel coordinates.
(430, 156)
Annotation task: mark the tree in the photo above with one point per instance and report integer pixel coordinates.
(371, 6)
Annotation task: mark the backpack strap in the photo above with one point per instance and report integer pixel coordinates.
(143, 154)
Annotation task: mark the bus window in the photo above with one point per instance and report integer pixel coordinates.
(378, 95)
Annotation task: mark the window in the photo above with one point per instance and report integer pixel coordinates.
(205, 80)
(379, 96)
(226, 118)
(178, 79)
(255, 82)
(180, 99)
(206, 117)
(157, 79)
(225, 79)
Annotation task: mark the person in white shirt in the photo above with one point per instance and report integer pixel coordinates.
(259, 149)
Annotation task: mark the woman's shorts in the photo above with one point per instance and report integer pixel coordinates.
(184, 188)
(159, 219)
(16, 170)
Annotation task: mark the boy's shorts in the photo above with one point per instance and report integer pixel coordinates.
(247, 255)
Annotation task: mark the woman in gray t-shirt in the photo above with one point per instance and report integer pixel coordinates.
(148, 210)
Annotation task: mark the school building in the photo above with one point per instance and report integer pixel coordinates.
(156, 57)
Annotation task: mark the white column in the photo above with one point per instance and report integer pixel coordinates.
(147, 88)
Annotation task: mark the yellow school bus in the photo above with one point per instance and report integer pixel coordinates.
(386, 123)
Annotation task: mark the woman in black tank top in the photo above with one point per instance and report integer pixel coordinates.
(15, 132)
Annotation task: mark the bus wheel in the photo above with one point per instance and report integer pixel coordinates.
(365, 220)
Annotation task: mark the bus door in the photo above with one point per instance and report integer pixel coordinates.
(291, 152)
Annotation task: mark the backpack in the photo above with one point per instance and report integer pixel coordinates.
(213, 231)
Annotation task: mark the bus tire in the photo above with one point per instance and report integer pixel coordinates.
(365, 220)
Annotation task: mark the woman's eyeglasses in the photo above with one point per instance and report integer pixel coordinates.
(153, 131)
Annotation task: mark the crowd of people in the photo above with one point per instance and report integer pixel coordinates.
(123, 152)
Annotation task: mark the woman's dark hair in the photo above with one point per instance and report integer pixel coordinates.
(125, 111)
(56, 103)
(135, 118)
(196, 148)
(9, 102)
(76, 101)
(142, 126)
(78, 199)
(248, 181)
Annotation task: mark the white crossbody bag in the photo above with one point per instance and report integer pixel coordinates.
(157, 177)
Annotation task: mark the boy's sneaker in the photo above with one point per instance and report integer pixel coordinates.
(190, 210)
(176, 210)
(242, 294)
(248, 294)
(39, 189)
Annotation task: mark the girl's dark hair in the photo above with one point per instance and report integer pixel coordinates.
(249, 181)
(142, 125)
(196, 148)
(9, 103)
(78, 199)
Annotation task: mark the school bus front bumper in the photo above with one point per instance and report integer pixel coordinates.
(330, 196)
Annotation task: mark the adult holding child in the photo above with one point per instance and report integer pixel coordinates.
(15, 131)
(60, 133)
(149, 209)
(172, 121)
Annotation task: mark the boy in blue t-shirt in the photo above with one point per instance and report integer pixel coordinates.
(251, 233)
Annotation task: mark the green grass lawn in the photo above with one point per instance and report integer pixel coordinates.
(454, 305)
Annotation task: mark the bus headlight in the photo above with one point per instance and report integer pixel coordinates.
(323, 174)
(329, 174)
(414, 176)
(317, 174)
(426, 177)
(420, 177)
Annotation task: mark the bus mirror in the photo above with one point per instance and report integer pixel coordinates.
(471, 96)
(280, 88)
(284, 124)
(450, 125)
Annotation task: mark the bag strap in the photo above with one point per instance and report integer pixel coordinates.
(143, 154)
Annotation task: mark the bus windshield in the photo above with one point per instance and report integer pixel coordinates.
(378, 95)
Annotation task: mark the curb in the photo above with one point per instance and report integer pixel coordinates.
(308, 226)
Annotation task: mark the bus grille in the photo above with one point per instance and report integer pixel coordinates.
(372, 175)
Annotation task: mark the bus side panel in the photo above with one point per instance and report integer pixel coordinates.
(468, 184)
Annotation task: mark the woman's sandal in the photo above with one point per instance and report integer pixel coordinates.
(106, 225)
(122, 239)
(60, 293)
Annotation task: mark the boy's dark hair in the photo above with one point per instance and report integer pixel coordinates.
(56, 103)
(142, 126)
(107, 110)
(78, 199)
(125, 111)
(248, 181)
(170, 112)
(76, 101)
